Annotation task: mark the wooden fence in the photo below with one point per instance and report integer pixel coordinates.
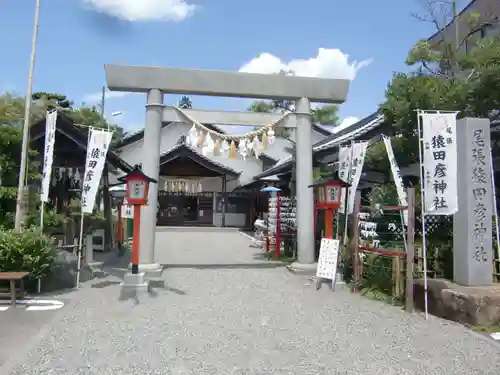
(402, 258)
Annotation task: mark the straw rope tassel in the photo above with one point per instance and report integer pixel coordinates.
(201, 139)
(217, 147)
(265, 141)
(232, 150)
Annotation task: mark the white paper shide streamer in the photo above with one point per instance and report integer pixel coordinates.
(440, 163)
(358, 159)
(97, 149)
(396, 175)
(48, 154)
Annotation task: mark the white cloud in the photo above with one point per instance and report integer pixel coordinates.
(329, 63)
(144, 10)
(96, 97)
(348, 121)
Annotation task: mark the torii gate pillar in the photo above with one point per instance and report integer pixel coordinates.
(151, 167)
(304, 179)
(155, 81)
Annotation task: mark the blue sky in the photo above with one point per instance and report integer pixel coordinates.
(77, 37)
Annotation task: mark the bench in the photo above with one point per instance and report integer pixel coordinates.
(12, 277)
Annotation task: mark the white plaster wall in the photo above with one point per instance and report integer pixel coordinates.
(232, 220)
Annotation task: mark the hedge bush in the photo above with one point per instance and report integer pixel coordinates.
(29, 251)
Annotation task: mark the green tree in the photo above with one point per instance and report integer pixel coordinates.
(185, 103)
(324, 115)
(261, 106)
(58, 100)
(10, 155)
(12, 110)
(446, 76)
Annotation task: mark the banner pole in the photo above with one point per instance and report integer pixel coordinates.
(42, 209)
(79, 253)
(422, 214)
(346, 206)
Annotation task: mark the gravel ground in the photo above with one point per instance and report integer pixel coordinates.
(224, 312)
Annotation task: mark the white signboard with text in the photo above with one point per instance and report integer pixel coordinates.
(327, 261)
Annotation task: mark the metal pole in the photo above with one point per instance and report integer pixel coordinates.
(422, 214)
(346, 205)
(103, 98)
(20, 204)
(108, 231)
(79, 252)
(42, 208)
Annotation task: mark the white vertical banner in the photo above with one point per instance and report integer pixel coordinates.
(48, 154)
(344, 162)
(396, 176)
(97, 149)
(440, 162)
(127, 212)
(358, 160)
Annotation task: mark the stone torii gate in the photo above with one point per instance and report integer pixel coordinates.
(157, 81)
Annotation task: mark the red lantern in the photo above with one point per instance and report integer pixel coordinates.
(328, 193)
(137, 187)
(137, 196)
(328, 197)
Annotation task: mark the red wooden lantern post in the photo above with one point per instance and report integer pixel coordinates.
(137, 196)
(328, 196)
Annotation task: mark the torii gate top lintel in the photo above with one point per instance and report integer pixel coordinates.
(225, 84)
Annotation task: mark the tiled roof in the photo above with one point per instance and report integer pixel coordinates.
(183, 146)
(351, 132)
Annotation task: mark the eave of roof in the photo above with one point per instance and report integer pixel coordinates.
(182, 149)
(65, 126)
(354, 131)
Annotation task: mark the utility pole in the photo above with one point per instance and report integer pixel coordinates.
(455, 25)
(105, 188)
(21, 190)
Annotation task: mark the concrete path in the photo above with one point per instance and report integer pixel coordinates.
(225, 312)
(21, 324)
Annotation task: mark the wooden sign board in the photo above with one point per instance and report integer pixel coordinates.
(328, 257)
